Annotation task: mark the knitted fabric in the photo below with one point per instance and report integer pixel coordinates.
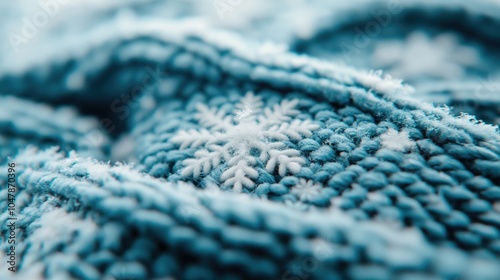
(188, 152)
(435, 45)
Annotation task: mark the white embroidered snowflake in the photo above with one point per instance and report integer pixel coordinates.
(440, 57)
(252, 133)
(306, 190)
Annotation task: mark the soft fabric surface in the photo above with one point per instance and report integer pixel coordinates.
(156, 141)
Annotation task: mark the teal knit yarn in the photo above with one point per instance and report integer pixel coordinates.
(240, 161)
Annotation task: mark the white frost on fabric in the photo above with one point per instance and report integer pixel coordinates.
(59, 223)
(397, 141)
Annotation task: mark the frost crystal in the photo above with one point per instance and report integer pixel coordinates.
(242, 139)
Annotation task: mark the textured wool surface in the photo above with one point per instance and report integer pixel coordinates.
(148, 148)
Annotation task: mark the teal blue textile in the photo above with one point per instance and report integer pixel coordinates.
(151, 148)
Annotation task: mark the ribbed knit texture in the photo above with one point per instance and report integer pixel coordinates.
(168, 149)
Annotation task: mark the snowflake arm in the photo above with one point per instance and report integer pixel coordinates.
(240, 175)
(286, 160)
(204, 161)
(214, 119)
(295, 130)
(298, 129)
(250, 103)
(281, 112)
(265, 149)
(193, 138)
